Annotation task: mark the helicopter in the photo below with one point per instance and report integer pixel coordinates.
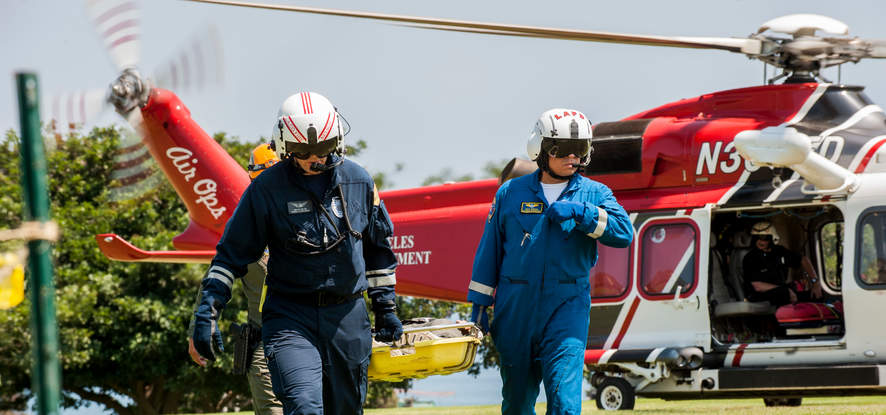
(670, 315)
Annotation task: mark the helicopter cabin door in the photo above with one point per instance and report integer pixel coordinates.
(667, 306)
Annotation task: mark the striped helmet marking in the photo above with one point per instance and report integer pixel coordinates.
(323, 132)
(290, 125)
(306, 104)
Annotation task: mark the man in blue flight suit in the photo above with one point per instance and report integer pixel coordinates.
(533, 263)
(326, 231)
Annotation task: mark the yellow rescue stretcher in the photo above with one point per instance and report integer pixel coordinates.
(421, 353)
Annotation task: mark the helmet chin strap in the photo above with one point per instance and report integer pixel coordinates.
(542, 162)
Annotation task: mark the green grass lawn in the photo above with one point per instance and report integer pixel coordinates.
(857, 405)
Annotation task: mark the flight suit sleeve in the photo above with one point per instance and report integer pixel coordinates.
(487, 261)
(242, 243)
(607, 221)
(381, 263)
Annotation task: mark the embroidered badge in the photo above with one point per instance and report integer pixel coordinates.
(299, 206)
(491, 211)
(336, 207)
(532, 207)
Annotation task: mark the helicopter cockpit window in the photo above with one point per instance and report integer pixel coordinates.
(830, 238)
(610, 277)
(669, 252)
(871, 269)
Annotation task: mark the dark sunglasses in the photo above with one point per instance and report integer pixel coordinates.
(563, 147)
(303, 151)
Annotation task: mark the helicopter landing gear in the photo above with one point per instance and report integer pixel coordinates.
(615, 394)
(783, 401)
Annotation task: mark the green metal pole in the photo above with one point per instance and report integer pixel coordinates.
(46, 375)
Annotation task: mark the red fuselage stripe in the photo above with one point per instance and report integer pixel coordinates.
(594, 355)
(868, 156)
(736, 360)
(627, 323)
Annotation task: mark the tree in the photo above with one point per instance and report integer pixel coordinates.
(447, 175)
(121, 325)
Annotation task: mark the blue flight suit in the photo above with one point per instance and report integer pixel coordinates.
(318, 352)
(538, 271)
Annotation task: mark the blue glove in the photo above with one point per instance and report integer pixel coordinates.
(387, 326)
(206, 330)
(563, 210)
(480, 318)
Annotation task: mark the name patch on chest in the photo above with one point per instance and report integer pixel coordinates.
(299, 206)
(532, 207)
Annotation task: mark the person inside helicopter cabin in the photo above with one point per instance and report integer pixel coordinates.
(766, 270)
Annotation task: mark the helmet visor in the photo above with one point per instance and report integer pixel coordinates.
(563, 147)
(304, 150)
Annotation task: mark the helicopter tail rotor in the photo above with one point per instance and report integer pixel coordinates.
(118, 24)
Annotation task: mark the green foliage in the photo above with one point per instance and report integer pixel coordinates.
(490, 169)
(121, 325)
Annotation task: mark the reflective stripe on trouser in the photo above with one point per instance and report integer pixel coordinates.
(535, 347)
(263, 400)
(317, 356)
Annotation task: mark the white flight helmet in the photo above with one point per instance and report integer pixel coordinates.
(307, 123)
(561, 132)
(765, 228)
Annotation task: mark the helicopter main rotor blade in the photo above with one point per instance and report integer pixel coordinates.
(876, 48)
(747, 46)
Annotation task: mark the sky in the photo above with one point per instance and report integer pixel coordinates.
(428, 100)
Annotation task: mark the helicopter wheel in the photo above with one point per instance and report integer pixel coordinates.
(615, 394)
(783, 401)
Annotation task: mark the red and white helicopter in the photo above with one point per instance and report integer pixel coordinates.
(669, 316)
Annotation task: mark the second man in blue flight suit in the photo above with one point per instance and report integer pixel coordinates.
(326, 231)
(533, 263)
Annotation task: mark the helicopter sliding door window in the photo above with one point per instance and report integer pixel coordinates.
(870, 269)
(611, 277)
(668, 259)
(830, 251)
